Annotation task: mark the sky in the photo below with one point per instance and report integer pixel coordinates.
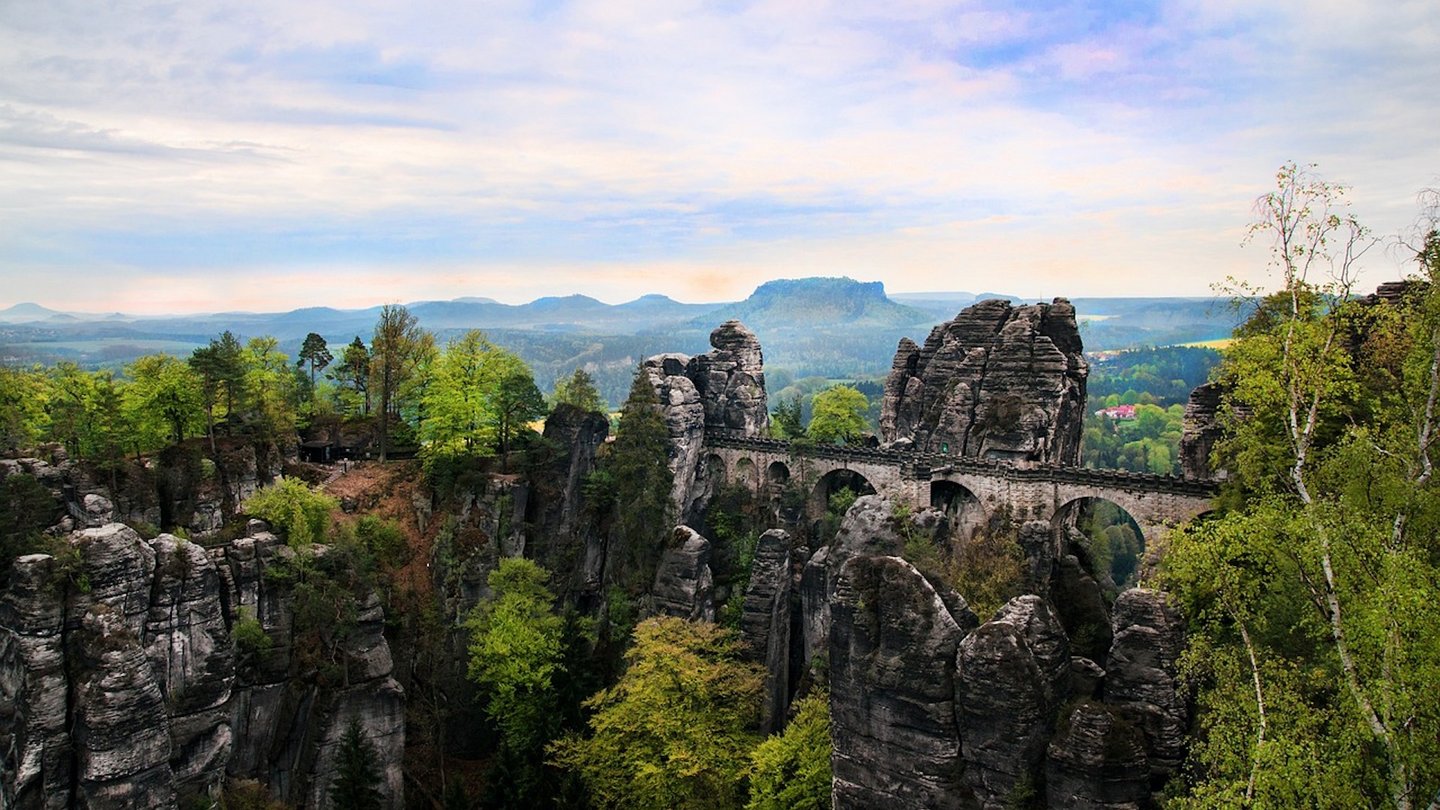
(203, 155)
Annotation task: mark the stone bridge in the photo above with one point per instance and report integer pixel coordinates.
(971, 488)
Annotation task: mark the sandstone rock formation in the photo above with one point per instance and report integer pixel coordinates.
(765, 622)
(684, 586)
(139, 635)
(723, 389)
(1025, 716)
(892, 692)
(1141, 676)
(1202, 430)
(998, 381)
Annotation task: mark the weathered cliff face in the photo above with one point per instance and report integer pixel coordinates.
(683, 585)
(560, 536)
(931, 710)
(998, 381)
(723, 389)
(181, 487)
(765, 622)
(1202, 429)
(123, 658)
(892, 698)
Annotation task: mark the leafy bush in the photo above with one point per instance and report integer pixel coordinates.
(791, 770)
(250, 636)
(295, 510)
(675, 731)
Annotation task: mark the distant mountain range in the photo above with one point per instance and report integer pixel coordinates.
(832, 327)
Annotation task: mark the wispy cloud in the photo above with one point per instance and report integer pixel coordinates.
(687, 148)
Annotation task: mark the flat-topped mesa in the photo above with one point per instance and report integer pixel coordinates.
(998, 381)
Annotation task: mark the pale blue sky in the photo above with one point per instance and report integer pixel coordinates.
(267, 154)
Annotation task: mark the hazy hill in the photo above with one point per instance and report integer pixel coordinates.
(829, 327)
(817, 302)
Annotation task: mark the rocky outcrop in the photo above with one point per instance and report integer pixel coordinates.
(122, 661)
(998, 381)
(731, 381)
(765, 622)
(1012, 674)
(723, 389)
(893, 641)
(558, 532)
(1141, 676)
(183, 487)
(1097, 762)
(684, 586)
(684, 414)
(1202, 429)
(1058, 700)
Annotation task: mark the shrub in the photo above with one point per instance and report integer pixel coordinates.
(293, 509)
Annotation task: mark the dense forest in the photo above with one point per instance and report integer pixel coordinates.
(1313, 643)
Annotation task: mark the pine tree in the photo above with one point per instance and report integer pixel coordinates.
(639, 467)
(357, 773)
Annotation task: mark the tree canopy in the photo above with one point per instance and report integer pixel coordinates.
(674, 733)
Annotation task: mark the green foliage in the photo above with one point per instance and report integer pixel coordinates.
(1158, 376)
(315, 352)
(384, 541)
(398, 349)
(1314, 627)
(357, 772)
(515, 653)
(1148, 443)
(638, 464)
(250, 636)
(516, 657)
(791, 770)
(478, 397)
(300, 513)
(674, 733)
(22, 408)
(164, 399)
(838, 415)
(579, 390)
(787, 420)
(26, 510)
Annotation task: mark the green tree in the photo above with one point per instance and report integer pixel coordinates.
(397, 348)
(165, 398)
(516, 653)
(579, 390)
(515, 401)
(791, 770)
(357, 772)
(788, 417)
(270, 387)
(22, 408)
(315, 352)
(637, 472)
(457, 401)
(352, 376)
(1314, 628)
(300, 513)
(674, 733)
(838, 415)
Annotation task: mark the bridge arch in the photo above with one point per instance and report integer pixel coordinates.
(1111, 538)
(962, 506)
(834, 482)
(777, 474)
(747, 474)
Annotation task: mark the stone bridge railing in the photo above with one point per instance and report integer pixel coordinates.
(924, 464)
